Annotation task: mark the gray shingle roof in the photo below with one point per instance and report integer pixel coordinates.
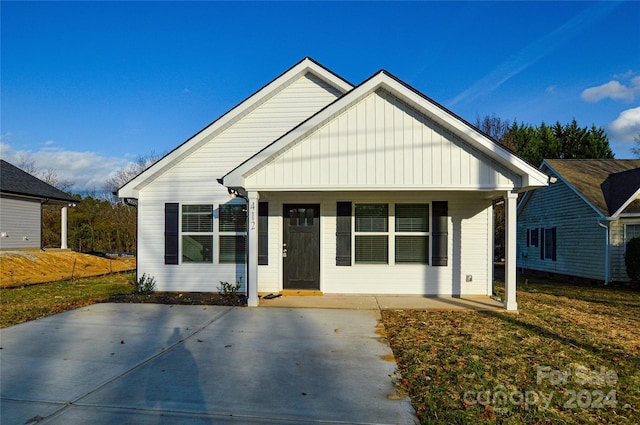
(17, 182)
(605, 183)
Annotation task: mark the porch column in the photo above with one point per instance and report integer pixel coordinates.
(510, 228)
(63, 228)
(252, 249)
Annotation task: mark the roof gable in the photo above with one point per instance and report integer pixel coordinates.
(17, 182)
(306, 67)
(415, 107)
(607, 185)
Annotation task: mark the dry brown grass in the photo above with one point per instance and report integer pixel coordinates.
(19, 268)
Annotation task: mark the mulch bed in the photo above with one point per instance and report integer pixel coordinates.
(180, 298)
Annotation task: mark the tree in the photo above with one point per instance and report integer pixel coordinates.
(123, 175)
(636, 151)
(497, 128)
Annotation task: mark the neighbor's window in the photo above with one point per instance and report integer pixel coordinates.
(372, 233)
(197, 233)
(233, 234)
(412, 233)
(631, 231)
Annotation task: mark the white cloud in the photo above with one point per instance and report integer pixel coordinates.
(613, 90)
(627, 125)
(87, 170)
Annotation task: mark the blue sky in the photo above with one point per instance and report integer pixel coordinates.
(88, 86)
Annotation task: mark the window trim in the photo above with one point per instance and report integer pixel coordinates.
(183, 233)
(391, 233)
(223, 233)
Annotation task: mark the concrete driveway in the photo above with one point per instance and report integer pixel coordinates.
(159, 364)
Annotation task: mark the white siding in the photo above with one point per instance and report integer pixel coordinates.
(20, 219)
(193, 181)
(580, 240)
(468, 254)
(381, 142)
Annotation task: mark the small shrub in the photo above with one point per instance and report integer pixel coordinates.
(144, 284)
(229, 290)
(632, 259)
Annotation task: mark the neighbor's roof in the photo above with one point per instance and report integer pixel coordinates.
(14, 181)
(611, 186)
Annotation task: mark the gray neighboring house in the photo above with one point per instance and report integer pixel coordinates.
(580, 225)
(21, 198)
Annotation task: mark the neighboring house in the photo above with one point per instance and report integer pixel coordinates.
(21, 198)
(373, 189)
(579, 225)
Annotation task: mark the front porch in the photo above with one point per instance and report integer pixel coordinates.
(385, 302)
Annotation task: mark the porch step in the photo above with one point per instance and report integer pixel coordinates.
(301, 292)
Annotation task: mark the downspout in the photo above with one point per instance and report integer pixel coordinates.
(127, 202)
(606, 251)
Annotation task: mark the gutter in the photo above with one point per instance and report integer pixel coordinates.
(607, 266)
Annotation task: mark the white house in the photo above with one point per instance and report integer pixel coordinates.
(580, 225)
(373, 189)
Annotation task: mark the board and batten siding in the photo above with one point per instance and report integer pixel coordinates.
(381, 142)
(580, 241)
(20, 219)
(469, 232)
(193, 181)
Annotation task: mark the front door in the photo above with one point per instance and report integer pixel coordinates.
(301, 246)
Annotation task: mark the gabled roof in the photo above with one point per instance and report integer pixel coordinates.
(14, 181)
(306, 65)
(531, 177)
(609, 186)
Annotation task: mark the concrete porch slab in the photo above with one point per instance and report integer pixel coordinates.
(385, 302)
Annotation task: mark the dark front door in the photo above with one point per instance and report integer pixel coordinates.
(301, 246)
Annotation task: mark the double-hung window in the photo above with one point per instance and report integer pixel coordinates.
(372, 233)
(197, 233)
(631, 231)
(409, 233)
(412, 233)
(232, 228)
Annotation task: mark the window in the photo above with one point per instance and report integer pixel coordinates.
(412, 237)
(372, 233)
(631, 231)
(232, 225)
(548, 244)
(197, 233)
(410, 233)
(532, 237)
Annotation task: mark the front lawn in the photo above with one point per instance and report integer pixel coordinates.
(572, 355)
(32, 302)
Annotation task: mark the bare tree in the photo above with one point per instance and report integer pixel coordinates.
(497, 128)
(48, 175)
(123, 175)
(636, 151)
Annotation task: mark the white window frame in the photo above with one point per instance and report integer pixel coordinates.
(184, 233)
(391, 234)
(222, 233)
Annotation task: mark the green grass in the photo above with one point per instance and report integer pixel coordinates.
(32, 302)
(480, 367)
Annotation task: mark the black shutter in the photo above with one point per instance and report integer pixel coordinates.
(263, 233)
(528, 236)
(541, 243)
(343, 234)
(553, 247)
(440, 233)
(171, 211)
